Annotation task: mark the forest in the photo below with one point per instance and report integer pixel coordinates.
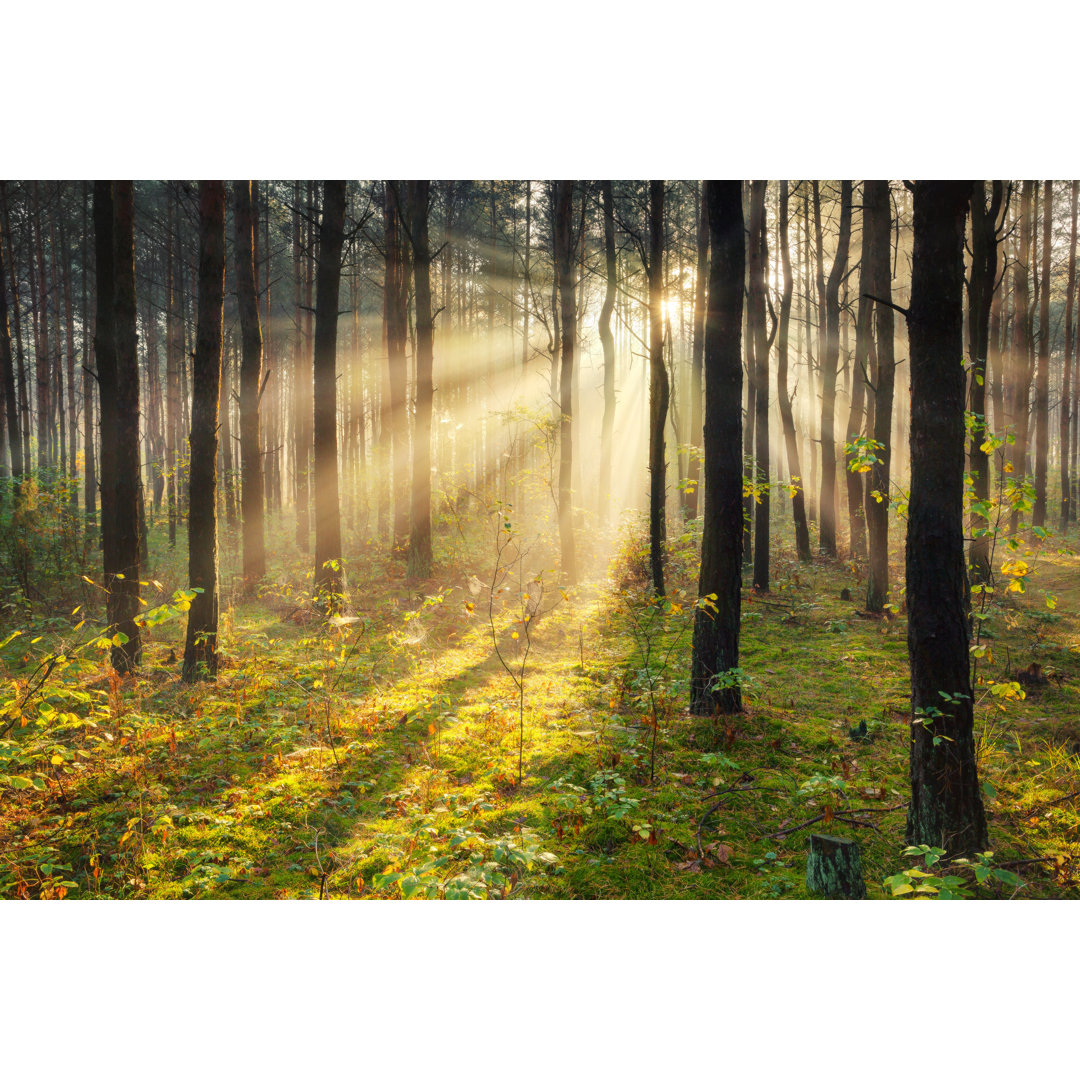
(539, 539)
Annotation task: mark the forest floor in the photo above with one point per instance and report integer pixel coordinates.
(379, 757)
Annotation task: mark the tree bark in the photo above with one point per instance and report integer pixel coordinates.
(1067, 509)
(946, 805)
(328, 574)
(1019, 376)
(877, 219)
(396, 299)
(607, 340)
(564, 261)
(7, 375)
(659, 388)
(716, 629)
(252, 484)
(420, 554)
(697, 373)
(200, 647)
(787, 419)
(1042, 369)
(118, 379)
(829, 362)
(759, 258)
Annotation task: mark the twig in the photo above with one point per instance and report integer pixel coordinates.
(712, 810)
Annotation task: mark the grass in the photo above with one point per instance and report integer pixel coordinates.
(378, 758)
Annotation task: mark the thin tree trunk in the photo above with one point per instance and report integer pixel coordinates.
(607, 340)
(759, 260)
(564, 260)
(397, 293)
(200, 647)
(659, 388)
(1067, 509)
(252, 481)
(697, 371)
(328, 574)
(1042, 370)
(7, 376)
(1018, 382)
(420, 554)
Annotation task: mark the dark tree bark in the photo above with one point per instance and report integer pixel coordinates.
(860, 416)
(1067, 509)
(829, 363)
(564, 262)
(877, 220)
(659, 388)
(301, 384)
(759, 258)
(980, 297)
(252, 485)
(946, 805)
(607, 340)
(200, 647)
(787, 419)
(716, 630)
(420, 554)
(7, 375)
(118, 381)
(1042, 370)
(697, 356)
(69, 324)
(89, 379)
(328, 577)
(174, 314)
(396, 301)
(1017, 385)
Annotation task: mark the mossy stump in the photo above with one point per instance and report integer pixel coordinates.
(834, 868)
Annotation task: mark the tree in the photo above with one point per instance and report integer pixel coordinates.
(1018, 383)
(564, 262)
(759, 258)
(396, 299)
(328, 578)
(697, 372)
(787, 419)
(946, 805)
(984, 244)
(716, 628)
(7, 375)
(200, 647)
(118, 383)
(607, 340)
(877, 221)
(252, 487)
(1068, 511)
(420, 555)
(829, 362)
(659, 389)
(1042, 369)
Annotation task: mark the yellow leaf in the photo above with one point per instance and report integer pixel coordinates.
(514, 635)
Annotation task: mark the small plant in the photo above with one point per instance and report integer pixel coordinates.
(945, 886)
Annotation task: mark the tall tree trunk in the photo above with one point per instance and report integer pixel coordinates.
(69, 320)
(659, 388)
(980, 297)
(328, 577)
(39, 299)
(118, 379)
(200, 647)
(7, 375)
(1067, 510)
(877, 220)
(697, 356)
(1042, 371)
(252, 482)
(787, 419)
(420, 555)
(526, 280)
(759, 259)
(1019, 380)
(829, 362)
(564, 262)
(173, 359)
(860, 416)
(946, 805)
(607, 340)
(716, 623)
(397, 295)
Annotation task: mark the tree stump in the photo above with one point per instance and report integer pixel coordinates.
(834, 868)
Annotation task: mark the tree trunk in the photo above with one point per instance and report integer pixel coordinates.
(328, 576)
(698, 354)
(252, 483)
(118, 380)
(980, 297)
(1067, 509)
(877, 220)
(829, 363)
(1019, 376)
(946, 805)
(396, 299)
(759, 259)
(787, 419)
(564, 261)
(7, 375)
(420, 554)
(716, 624)
(173, 353)
(200, 647)
(834, 868)
(1042, 370)
(607, 340)
(659, 389)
